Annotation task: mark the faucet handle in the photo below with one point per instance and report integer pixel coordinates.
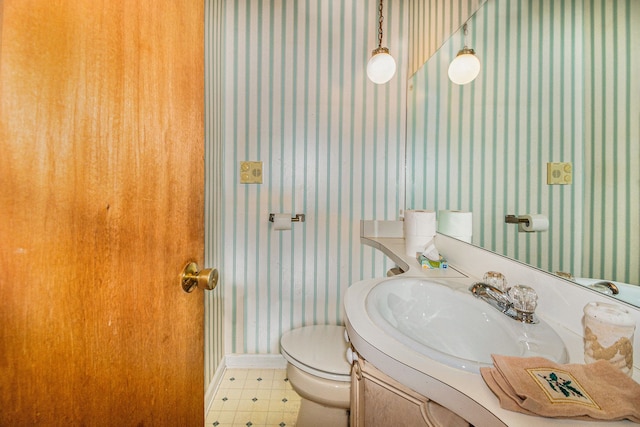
(523, 298)
(495, 279)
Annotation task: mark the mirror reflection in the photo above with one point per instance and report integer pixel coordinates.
(557, 85)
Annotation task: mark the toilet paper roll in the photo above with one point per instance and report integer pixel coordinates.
(419, 229)
(282, 221)
(458, 224)
(419, 223)
(536, 222)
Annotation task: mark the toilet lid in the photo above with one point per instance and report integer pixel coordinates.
(319, 350)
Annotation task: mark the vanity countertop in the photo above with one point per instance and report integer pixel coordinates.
(464, 392)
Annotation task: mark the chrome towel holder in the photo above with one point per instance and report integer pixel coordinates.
(512, 219)
(296, 218)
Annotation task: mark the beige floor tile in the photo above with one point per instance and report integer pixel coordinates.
(244, 406)
(268, 384)
(235, 384)
(254, 406)
(259, 417)
(267, 374)
(257, 396)
(275, 418)
(210, 418)
(276, 406)
(291, 395)
(231, 405)
(229, 393)
(280, 386)
(216, 406)
(220, 419)
(237, 373)
(242, 418)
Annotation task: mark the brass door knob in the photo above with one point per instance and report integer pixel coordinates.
(192, 277)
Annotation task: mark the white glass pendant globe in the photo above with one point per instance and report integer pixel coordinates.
(465, 67)
(381, 66)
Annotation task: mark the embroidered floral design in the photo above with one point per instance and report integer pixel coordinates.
(561, 384)
(561, 387)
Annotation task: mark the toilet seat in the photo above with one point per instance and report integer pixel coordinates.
(319, 350)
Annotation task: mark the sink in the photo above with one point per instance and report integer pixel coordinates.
(449, 325)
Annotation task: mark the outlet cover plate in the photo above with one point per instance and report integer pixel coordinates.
(250, 172)
(559, 173)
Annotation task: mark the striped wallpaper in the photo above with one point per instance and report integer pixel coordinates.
(542, 96)
(214, 138)
(611, 244)
(286, 85)
(294, 95)
(431, 23)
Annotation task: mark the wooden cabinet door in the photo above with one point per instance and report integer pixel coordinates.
(101, 206)
(378, 400)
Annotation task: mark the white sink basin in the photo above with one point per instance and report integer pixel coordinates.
(453, 327)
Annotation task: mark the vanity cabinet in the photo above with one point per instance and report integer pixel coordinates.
(379, 400)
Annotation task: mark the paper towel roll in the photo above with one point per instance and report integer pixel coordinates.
(536, 222)
(282, 221)
(458, 224)
(419, 229)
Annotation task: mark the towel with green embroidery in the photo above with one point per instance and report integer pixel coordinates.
(538, 386)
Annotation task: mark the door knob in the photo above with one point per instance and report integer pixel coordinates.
(205, 279)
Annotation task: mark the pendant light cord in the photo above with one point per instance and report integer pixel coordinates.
(381, 66)
(380, 19)
(465, 32)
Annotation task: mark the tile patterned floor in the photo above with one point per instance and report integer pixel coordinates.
(254, 398)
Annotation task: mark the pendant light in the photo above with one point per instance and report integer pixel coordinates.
(465, 67)
(381, 66)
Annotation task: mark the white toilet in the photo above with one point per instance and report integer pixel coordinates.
(319, 372)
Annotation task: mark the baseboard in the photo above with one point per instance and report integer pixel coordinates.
(213, 387)
(240, 361)
(255, 361)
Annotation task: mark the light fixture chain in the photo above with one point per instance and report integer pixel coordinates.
(381, 66)
(465, 32)
(380, 19)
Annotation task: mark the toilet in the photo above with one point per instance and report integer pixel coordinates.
(318, 371)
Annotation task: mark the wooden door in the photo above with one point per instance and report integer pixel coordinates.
(101, 205)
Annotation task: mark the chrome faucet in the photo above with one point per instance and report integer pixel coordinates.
(603, 286)
(518, 302)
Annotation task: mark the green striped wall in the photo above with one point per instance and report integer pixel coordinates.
(286, 85)
(295, 96)
(214, 139)
(611, 247)
(431, 23)
(541, 96)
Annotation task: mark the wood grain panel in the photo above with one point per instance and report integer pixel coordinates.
(101, 201)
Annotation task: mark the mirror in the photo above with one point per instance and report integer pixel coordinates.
(557, 84)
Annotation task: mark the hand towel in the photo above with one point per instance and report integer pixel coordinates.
(538, 386)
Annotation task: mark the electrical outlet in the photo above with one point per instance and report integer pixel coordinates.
(250, 172)
(559, 173)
